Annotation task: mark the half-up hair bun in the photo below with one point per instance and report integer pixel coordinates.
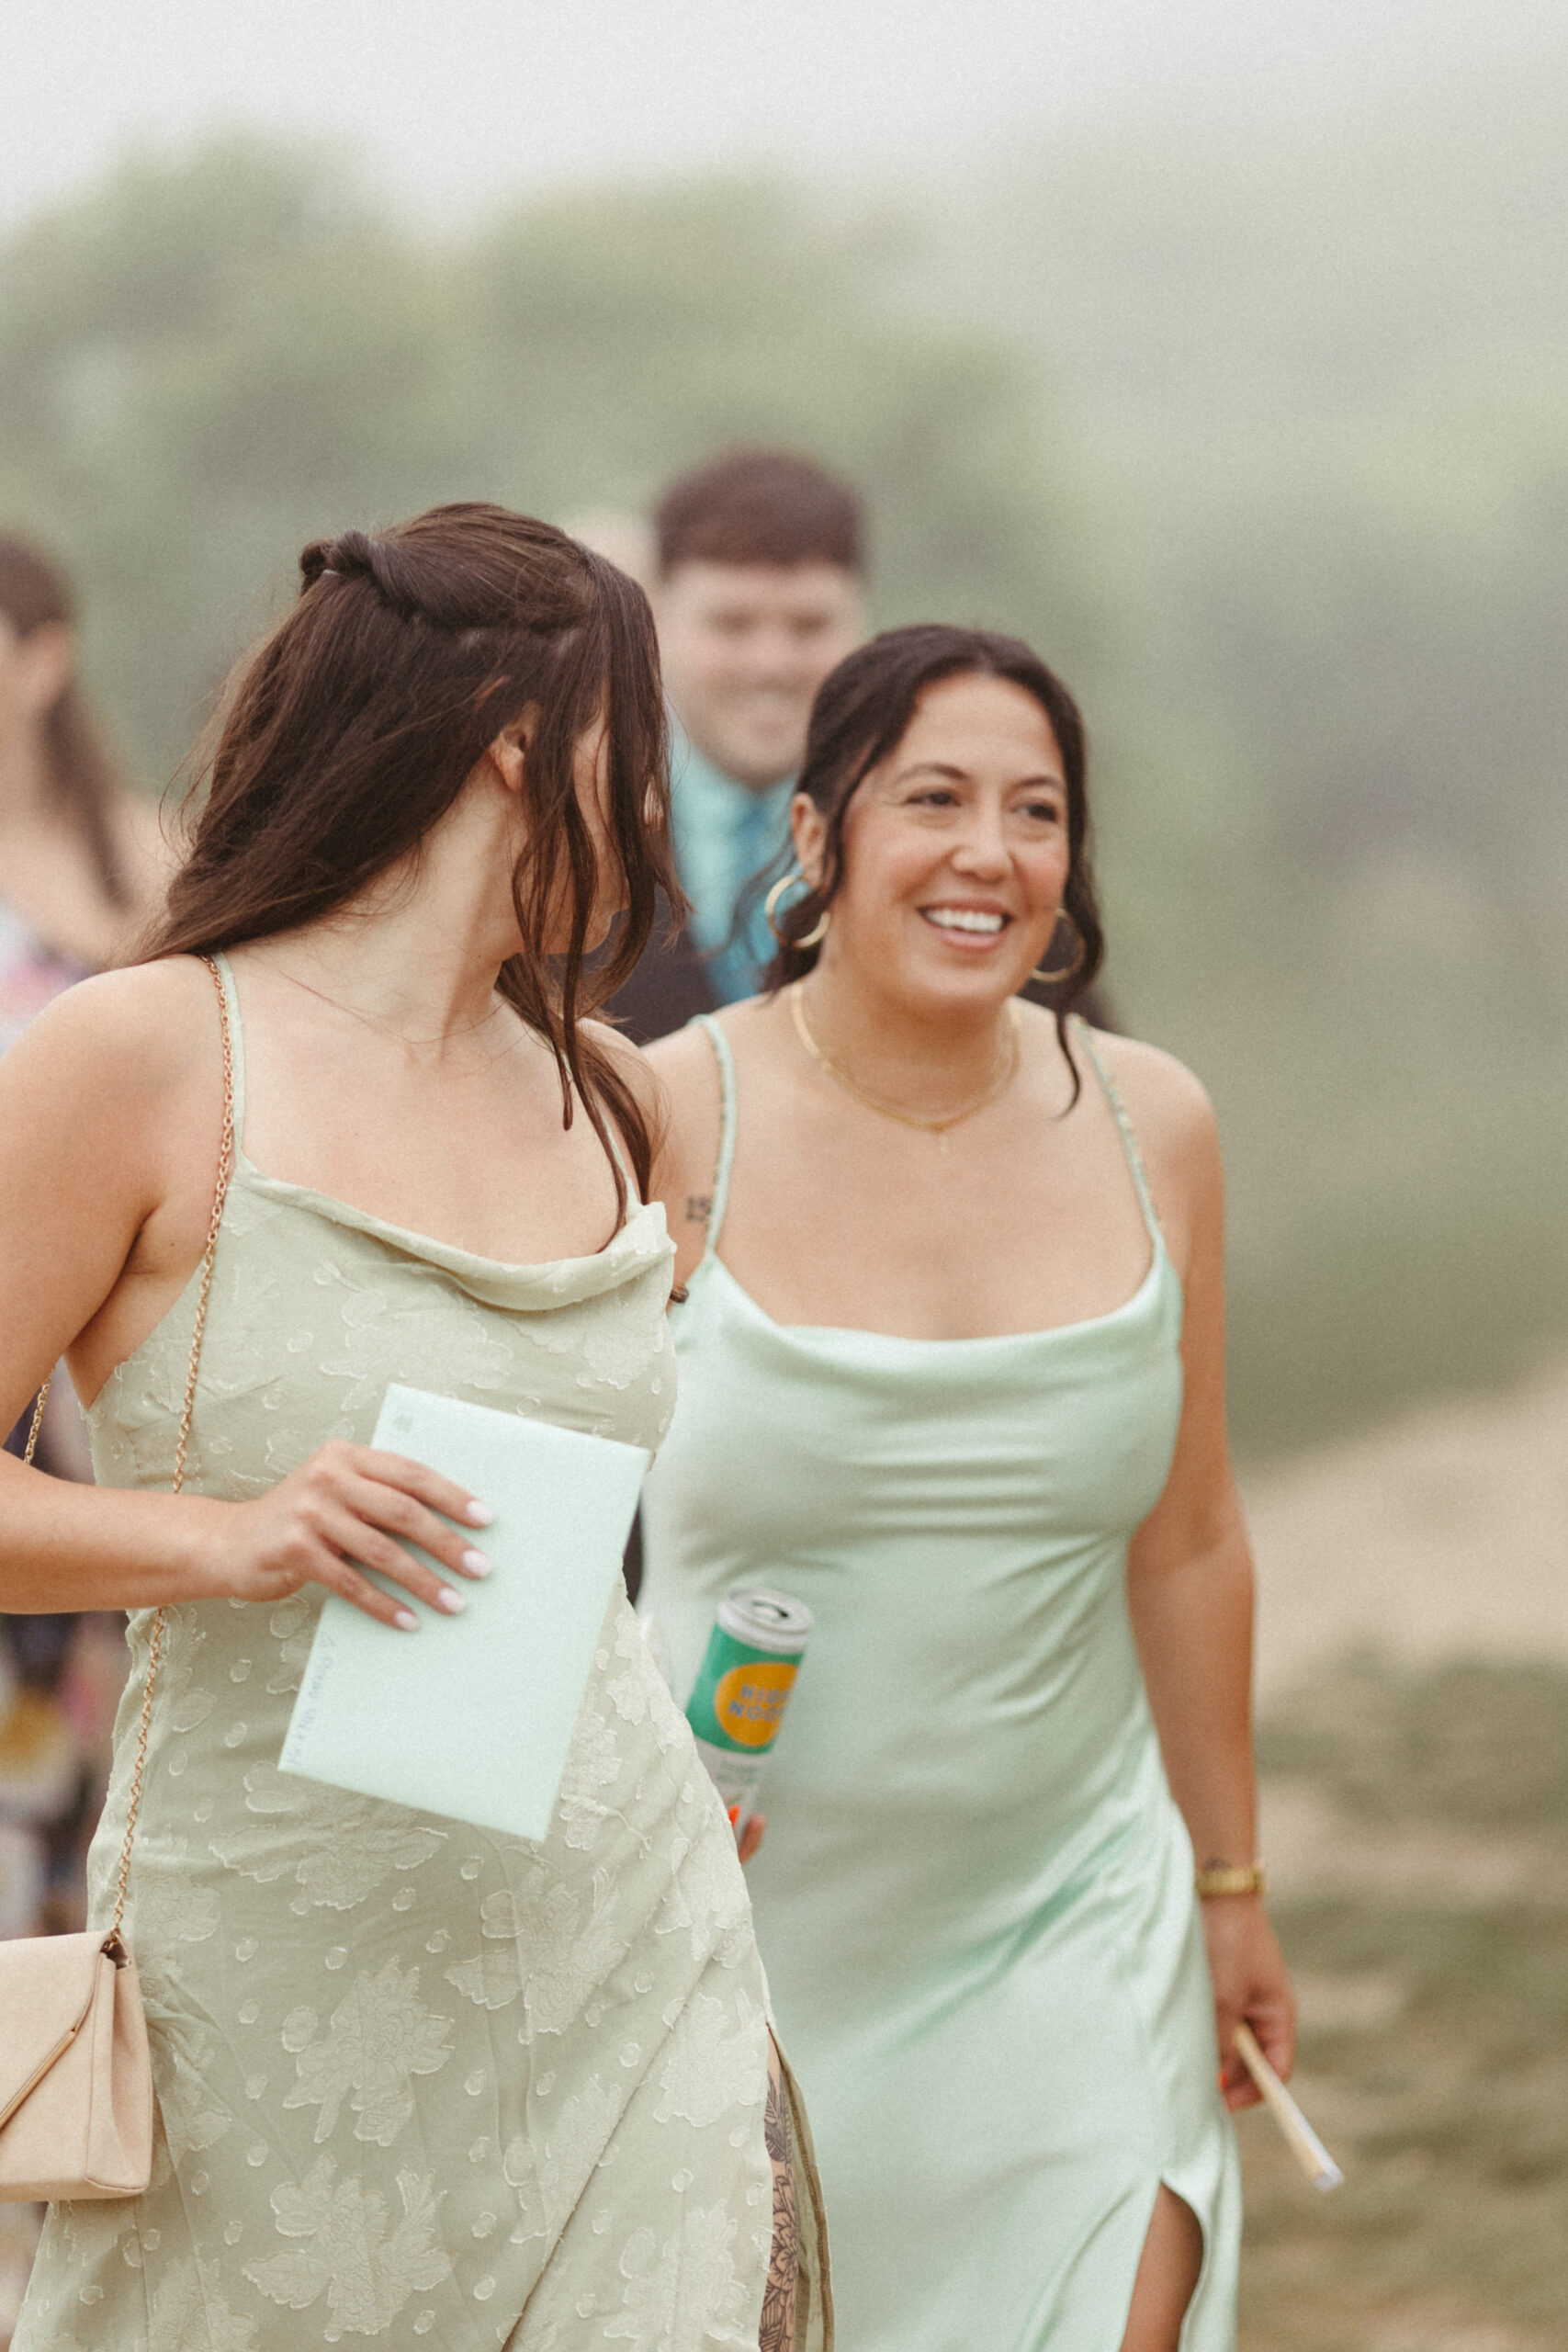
(389, 568)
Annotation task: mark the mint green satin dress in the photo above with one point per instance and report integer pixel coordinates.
(975, 1903)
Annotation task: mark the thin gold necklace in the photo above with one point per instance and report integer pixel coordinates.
(450, 1037)
(1001, 1077)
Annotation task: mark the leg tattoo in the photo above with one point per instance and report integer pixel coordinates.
(777, 2331)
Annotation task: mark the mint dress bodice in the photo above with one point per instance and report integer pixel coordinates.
(975, 1901)
(418, 2084)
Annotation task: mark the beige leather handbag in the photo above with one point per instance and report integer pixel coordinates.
(75, 2076)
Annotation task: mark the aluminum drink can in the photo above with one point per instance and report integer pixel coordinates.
(742, 1688)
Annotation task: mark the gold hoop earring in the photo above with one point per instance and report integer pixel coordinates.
(818, 931)
(1068, 971)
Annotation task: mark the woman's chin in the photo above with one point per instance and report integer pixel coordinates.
(955, 983)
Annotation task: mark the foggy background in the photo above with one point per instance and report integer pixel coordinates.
(1222, 350)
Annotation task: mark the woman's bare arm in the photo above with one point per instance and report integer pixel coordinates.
(109, 1123)
(1190, 1587)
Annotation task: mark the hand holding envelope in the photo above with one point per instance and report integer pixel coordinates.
(475, 1722)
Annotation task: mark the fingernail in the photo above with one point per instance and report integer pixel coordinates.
(479, 1514)
(406, 1621)
(476, 1564)
(453, 1602)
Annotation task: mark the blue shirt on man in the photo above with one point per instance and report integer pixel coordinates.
(723, 834)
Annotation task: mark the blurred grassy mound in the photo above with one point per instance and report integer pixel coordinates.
(1429, 1937)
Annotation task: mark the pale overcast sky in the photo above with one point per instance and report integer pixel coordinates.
(452, 101)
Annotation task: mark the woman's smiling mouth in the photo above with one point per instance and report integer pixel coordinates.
(980, 921)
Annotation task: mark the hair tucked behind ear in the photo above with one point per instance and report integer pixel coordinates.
(352, 730)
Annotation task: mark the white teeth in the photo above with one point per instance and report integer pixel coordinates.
(961, 919)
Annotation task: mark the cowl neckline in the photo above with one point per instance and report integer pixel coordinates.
(639, 1243)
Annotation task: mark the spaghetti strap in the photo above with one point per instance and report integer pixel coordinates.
(726, 1061)
(1112, 1094)
(236, 1046)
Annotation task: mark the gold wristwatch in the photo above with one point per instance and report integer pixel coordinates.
(1226, 1878)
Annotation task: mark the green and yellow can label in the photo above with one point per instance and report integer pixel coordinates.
(740, 1695)
(749, 1700)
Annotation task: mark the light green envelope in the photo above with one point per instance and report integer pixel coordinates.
(473, 1715)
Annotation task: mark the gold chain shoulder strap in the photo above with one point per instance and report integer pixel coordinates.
(155, 1645)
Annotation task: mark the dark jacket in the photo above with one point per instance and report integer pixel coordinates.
(668, 987)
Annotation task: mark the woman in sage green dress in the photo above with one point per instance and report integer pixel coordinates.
(950, 1374)
(416, 2082)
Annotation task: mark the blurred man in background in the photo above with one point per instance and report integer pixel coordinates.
(758, 591)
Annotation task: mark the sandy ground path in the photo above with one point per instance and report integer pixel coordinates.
(1441, 1534)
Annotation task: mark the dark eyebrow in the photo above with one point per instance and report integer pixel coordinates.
(934, 767)
(962, 775)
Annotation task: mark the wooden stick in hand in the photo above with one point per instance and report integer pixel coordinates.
(1297, 2132)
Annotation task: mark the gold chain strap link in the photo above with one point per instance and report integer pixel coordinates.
(155, 1644)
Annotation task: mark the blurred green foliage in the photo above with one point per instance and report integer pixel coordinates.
(203, 366)
(1268, 448)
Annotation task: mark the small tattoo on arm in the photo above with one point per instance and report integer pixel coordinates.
(699, 1207)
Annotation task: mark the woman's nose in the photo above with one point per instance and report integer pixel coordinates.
(983, 848)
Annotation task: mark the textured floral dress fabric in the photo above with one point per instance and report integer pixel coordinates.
(416, 2083)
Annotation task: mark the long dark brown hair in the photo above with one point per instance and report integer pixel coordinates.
(83, 780)
(352, 730)
(861, 715)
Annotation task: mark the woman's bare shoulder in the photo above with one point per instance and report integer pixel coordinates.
(687, 1073)
(628, 1059)
(1173, 1119)
(683, 1060)
(1162, 1094)
(147, 1025)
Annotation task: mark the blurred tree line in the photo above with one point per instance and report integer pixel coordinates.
(1268, 452)
(204, 366)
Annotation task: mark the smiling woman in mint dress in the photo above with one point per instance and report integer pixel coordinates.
(951, 1370)
(416, 2082)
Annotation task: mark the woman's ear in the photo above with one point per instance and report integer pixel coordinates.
(509, 753)
(808, 831)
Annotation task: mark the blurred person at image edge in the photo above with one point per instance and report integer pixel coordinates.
(79, 860)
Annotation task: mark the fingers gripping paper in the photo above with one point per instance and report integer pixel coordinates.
(473, 1716)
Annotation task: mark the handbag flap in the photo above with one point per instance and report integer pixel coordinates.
(46, 1989)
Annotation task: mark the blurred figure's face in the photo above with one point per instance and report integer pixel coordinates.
(745, 646)
(34, 672)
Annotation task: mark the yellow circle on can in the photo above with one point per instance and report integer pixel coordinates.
(749, 1700)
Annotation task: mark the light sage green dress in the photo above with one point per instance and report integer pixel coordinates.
(975, 1900)
(416, 2083)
